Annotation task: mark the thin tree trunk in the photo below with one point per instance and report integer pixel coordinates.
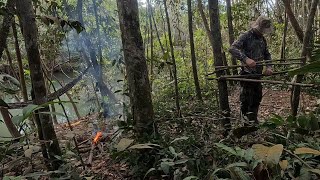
(284, 36)
(20, 65)
(11, 64)
(231, 34)
(95, 9)
(151, 42)
(173, 61)
(293, 20)
(6, 23)
(167, 46)
(27, 16)
(306, 52)
(193, 55)
(218, 61)
(136, 67)
(7, 120)
(205, 21)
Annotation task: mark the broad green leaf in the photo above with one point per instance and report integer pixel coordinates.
(181, 161)
(226, 148)
(173, 151)
(312, 67)
(149, 171)
(165, 166)
(303, 121)
(27, 111)
(238, 164)
(313, 123)
(17, 120)
(305, 150)
(123, 144)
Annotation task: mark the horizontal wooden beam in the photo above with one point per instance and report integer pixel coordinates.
(270, 82)
(249, 75)
(261, 63)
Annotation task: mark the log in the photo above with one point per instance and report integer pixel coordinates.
(267, 81)
(93, 146)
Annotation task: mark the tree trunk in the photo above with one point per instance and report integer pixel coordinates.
(293, 20)
(231, 34)
(218, 61)
(6, 23)
(20, 65)
(173, 61)
(205, 21)
(11, 64)
(193, 54)
(166, 40)
(284, 36)
(95, 9)
(28, 19)
(306, 52)
(151, 43)
(136, 67)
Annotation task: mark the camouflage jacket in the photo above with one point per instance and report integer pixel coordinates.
(251, 45)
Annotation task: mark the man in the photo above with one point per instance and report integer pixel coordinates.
(250, 49)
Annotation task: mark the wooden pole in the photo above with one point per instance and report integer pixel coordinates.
(249, 75)
(223, 68)
(269, 82)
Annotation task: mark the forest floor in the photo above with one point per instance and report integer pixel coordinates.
(274, 101)
(104, 166)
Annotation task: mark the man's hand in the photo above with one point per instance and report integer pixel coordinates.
(251, 63)
(268, 71)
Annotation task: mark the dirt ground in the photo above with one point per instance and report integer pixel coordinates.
(274, 101)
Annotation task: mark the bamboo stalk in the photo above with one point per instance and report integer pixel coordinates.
(268, 81)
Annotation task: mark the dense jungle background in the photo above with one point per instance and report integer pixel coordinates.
(147, 89)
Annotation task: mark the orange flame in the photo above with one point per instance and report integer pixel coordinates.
(97, 137)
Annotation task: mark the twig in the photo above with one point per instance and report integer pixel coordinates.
(268, 81)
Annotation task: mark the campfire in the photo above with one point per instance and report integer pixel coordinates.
(97, 143)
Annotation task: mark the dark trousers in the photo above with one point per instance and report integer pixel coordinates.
(250, 98)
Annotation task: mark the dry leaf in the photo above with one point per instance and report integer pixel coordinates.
(28, 153)
(268, 154)
(283, 164)
(124, 144)
(305, 150)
